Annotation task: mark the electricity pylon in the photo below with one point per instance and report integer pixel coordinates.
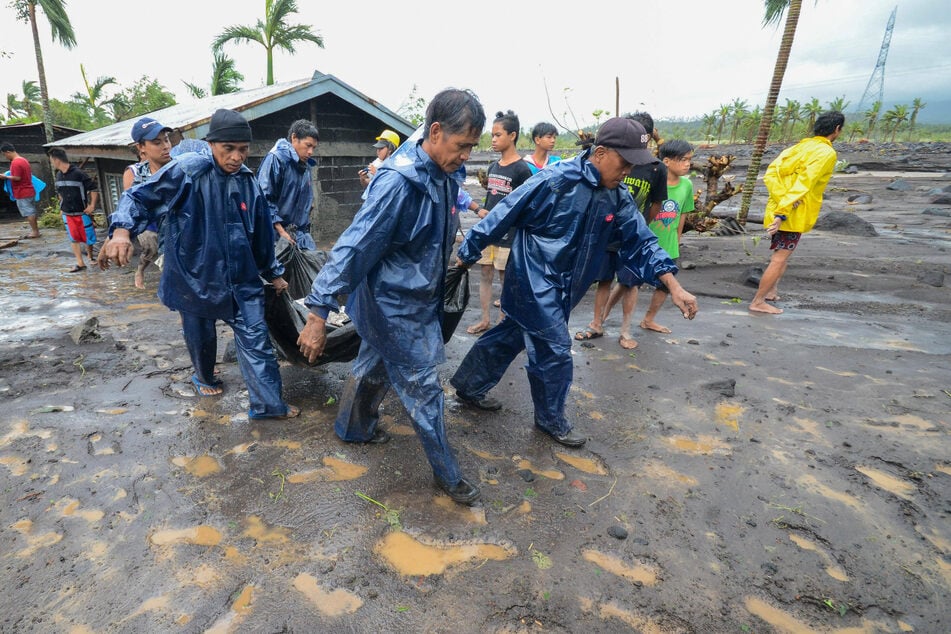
(875, 89)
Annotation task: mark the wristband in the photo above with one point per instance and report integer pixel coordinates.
(782, 217)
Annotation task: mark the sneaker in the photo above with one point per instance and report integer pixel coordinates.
(462, 492)
(571, 439)
(380, 437)
(486, 403)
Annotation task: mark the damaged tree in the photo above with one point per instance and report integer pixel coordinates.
(705, 201)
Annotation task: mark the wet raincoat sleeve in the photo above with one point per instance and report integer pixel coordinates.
(799, 174)
(270, 177)
(147, 202)
(361, 246)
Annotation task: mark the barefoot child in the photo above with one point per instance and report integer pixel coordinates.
(505, 175)
(668, 224)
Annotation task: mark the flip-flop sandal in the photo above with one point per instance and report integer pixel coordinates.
(77, 269)
(29, 237)
(199, 386)
(588, 333)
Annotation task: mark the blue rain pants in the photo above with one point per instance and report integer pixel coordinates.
(549, 368)
(255, 357)
(421, 395)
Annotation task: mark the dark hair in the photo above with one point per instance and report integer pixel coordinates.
(59, 154)
(543, 128)
(644, 119)
(456, 111)
(509, 121)
(827, 122)
(302, 129)
(7, 147)
(674, 149)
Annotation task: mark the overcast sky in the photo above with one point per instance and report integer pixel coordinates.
(672, 58)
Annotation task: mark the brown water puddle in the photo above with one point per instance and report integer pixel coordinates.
(943, 468)
(584, 393)
(812, 484)
(334, 470)
(21, 429)
(937, 540)
(240, 608)
(645, 574)
(660, 471)
(702, 445)
(587, 465)
(634, 620)
(832, 568)
(198, 466)
(329, 603)
(728, 414)
(410, 557)
(262, 533)
(785, 623)
(201, 535)
(36, 542)
(72, 508)
(472, 514)
(595, 415)
(714, 359)
(551, 474)
(888, 482)
(203, 576)
(18, 466)
(811, 427)
(485, 455)
(208, 417)
(398, 429)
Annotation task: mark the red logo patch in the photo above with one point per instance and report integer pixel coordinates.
(244, 207)
(609, 218)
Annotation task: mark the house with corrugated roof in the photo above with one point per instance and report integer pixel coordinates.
(347, 119)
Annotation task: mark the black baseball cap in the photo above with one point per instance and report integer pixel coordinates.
(626, 137)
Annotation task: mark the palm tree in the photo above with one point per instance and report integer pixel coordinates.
(723, 112)
(896, 116)
(790, 115)
(871, 117)
(31, 100)
(839, 104)
(273, 32)
(739, 109)
(813, 109)
(774, 11)
(855, 129)
(751, 123)
(916, 105)
(62, 29)
(709, 120)
(225, 78)
(94, 98)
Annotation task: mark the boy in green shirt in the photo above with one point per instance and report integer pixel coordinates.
(668, 223)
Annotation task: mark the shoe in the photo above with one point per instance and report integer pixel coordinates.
(380, 437)
(571, 439)
(462, 492)
(292, 412)
(486, 403)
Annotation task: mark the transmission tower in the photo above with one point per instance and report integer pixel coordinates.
(875, 89)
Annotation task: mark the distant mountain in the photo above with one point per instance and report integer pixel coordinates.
(935, 111)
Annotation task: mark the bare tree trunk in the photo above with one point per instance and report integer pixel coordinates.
(44, 93)
(782, 59)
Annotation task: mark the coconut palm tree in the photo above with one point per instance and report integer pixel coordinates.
(839, 104)
(738, 109)
(916, 105)
(273, 32)
(790, 115)
(813, 108)
(723, 112)
(751, 123)
(871, 118)
(896, 117)
(94, 99)
(855, 129)
(709, 120)
(62, 29)
(774, 11)
(225, 78)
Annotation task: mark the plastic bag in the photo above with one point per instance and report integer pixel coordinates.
(455, 298)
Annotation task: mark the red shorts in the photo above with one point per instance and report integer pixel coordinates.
(785, 240)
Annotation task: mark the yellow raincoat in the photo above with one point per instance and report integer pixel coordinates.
(799, 173)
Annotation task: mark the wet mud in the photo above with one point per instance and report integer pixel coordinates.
(816, 498)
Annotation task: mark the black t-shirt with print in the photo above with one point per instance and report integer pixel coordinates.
(502, 180)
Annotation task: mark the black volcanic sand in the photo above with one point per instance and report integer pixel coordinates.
(745, 473)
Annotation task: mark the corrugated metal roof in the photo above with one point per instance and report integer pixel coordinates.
(192, 118)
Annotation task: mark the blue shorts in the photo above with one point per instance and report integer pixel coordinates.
(87, 225)
(27, 207)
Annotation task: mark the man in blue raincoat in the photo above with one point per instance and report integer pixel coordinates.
(392, 262)
(218, 243)
(563, 219)
(284, 177)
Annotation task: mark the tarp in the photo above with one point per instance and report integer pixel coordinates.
(286, 316)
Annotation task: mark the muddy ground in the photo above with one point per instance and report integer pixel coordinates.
(745, 473)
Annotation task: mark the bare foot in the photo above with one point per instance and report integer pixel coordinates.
(139, 279)
(653, 325)
(627, 342)
(478, 329)
(763, 307)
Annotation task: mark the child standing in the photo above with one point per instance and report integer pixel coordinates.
(544, 136)
(505, 175)
(78, 196)
(668, 223)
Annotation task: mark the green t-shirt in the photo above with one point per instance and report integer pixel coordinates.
(665, 224)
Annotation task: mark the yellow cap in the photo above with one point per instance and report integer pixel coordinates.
(389, 135)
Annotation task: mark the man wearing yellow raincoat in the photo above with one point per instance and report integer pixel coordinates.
(796, 181)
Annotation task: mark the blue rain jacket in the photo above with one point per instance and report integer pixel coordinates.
(285, 181)
(392, 260)
(218, 236)
(563, 220)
